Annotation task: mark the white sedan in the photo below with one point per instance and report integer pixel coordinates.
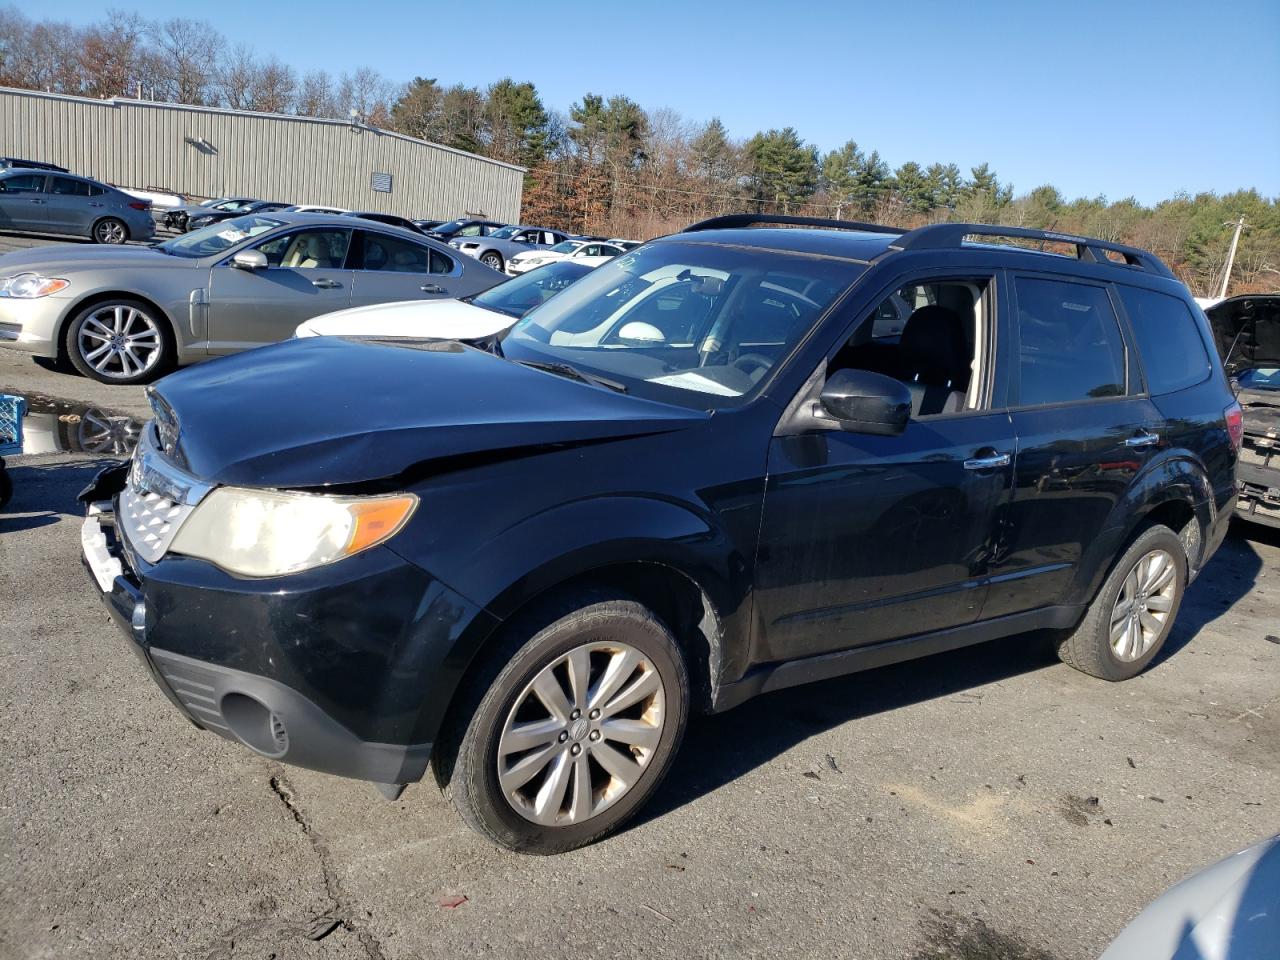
(592, 253)
(481, 315)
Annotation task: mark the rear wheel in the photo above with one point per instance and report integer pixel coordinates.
(110, 230)
(492, 259)
(120, 341)
(568, 726)
(1133, 612)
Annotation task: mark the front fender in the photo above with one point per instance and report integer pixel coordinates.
(560, 544)
(1173, 477)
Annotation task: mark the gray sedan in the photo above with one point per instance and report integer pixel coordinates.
(129, 314)
(38, 201)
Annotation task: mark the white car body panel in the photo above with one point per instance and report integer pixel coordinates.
(429, 319)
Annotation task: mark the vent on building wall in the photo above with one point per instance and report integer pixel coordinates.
(381, 182)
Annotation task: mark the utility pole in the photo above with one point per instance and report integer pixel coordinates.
(1231, 258)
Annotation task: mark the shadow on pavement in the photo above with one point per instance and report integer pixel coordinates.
(47, 490)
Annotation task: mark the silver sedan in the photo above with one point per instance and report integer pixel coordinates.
(129, 314)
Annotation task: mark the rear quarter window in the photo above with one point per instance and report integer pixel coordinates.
(1168, 338)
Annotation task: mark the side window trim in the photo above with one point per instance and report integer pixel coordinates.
(1014, 366)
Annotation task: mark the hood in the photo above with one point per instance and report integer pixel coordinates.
(60, 259)
(327, 411)
(1229, 910)
(435, 319)
(1252, 324)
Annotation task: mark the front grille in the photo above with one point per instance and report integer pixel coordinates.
(194, 688)
(150, 521)
(9, 331)
(156, 501)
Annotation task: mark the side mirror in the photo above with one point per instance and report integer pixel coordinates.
(864, 402)
(249, 260)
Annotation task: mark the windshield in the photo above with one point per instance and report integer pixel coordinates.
(450, 228)
(1260, 378)
(506, 233)
(689, 323)
(566, 246)
(517, 297)
(218, 237)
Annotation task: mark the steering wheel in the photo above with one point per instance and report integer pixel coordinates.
(747, 361)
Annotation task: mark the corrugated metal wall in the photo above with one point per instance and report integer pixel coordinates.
(274, 157)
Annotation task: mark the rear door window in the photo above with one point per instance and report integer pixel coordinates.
(392, 255)
(1168, 339)
(1069, 343)
(67, 187)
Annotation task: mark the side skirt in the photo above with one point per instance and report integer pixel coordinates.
(791, 673)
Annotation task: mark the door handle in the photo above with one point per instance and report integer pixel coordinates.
(324, 283)
(431, 288)
(95, 204)
(35, 200)
(988, 462)
(1143, 438)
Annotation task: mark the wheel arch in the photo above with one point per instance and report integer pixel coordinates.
(102, 296)
(1173, 491)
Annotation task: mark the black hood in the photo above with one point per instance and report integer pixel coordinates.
(325, 411)
(1252, 324)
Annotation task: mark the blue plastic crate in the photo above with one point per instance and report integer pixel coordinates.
(12, 410)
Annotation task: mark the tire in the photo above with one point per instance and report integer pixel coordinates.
(1108, 652)
(493, 260)
(487, 725)
(120, 322)
(110, 230)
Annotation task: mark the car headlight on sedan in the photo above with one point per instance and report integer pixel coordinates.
(268, 533)
(30, 286)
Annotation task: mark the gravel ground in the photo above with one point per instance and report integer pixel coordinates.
(990, 803)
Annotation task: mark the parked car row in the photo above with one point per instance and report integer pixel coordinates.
(47, 201)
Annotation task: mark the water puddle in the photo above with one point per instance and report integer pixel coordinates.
(52, 425)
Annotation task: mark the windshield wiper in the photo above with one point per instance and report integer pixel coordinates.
(573, 373)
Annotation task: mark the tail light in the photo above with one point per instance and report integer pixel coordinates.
(1235, 425)
(139, 205)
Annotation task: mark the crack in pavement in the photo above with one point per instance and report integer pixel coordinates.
(340, 911)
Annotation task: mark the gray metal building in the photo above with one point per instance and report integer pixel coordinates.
(211, 152)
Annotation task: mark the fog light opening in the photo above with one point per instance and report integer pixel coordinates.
(257, 727)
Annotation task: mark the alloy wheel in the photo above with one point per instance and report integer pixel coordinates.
(581, 733)
(110, 231)
(1141, 611)
(492, 260)
(119, 341)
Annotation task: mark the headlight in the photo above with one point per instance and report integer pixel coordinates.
(29, 286)
(267, 533)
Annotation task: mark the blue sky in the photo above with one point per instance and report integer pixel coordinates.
(1114, 98)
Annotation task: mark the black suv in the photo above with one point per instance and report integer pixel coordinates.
(721, 464)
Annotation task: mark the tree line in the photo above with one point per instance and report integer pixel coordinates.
(610, 166)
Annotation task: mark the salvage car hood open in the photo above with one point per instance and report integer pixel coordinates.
(327, 411)
(1252, 324)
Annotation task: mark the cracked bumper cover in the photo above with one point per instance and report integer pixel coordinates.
(344, 669)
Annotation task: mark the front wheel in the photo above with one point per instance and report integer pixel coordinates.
(1130, 618)
(119, 341)
(492, 259)
(110, 230)
(568, 727)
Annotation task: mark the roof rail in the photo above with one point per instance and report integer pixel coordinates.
(939, 236)
(736, 220)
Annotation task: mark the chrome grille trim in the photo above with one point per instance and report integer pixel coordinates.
(157, 499)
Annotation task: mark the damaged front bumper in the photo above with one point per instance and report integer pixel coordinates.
(321, 670)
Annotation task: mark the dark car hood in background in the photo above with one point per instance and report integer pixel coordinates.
(1252, 323)
(325, 411)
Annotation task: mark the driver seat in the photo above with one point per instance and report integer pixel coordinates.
(936, 360)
